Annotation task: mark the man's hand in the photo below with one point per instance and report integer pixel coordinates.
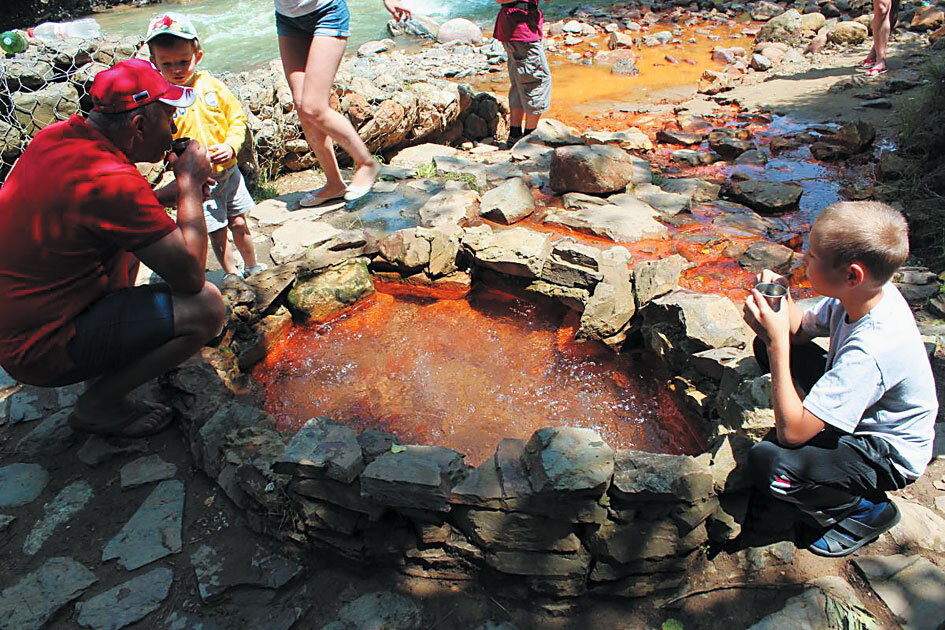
(220, 153)
(193, 165)
(399, 11)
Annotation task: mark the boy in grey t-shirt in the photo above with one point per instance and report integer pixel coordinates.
(866, 423)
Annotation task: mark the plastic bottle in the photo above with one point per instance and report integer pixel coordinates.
(12, 42)
(81, 29)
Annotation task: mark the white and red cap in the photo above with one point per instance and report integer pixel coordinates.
(133, 83)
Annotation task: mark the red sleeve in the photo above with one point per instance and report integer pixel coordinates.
(126, 211)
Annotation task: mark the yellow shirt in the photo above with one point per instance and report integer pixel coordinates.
(216, 117)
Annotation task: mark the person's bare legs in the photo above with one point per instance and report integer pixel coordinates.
(221, 249)
(310, 67)
(243, 240)
(881, 29)
(198, 318)
(516, 116)
(531, 121)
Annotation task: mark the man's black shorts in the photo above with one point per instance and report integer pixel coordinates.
(118, 329)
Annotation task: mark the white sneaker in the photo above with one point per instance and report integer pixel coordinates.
(252, 271)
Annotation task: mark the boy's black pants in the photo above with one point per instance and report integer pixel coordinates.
(826, 477)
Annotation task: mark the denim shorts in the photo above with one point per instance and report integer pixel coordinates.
(329, 20)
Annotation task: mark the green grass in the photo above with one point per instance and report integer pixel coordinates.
(262, 190)
(426, 171)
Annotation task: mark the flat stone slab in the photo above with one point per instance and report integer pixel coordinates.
(127, 602)
(323, 448)
(154, 531)
(911, 587)
(60, 510)
(50, 437)
(296, 235)
(21, 483)
(32, 601)
(624, 223)
(34, 403)
(381, 610)
(146, 470)
(247, 564)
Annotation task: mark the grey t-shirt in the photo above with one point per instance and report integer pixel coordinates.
(878, 380)
(298, 8)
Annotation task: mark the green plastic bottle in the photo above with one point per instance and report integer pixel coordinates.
(12, 42)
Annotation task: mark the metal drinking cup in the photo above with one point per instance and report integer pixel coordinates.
(773, 292)
(180, 145)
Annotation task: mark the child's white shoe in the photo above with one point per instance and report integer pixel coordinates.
(252, 271)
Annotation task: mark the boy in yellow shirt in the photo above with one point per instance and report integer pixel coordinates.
(217, 121)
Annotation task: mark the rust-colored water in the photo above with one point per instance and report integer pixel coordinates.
(468, 373)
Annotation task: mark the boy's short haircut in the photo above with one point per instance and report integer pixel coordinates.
(166, 40)
(868, 232)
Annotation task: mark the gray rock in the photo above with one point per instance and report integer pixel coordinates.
(31, 602)
(60, 510)
(97, 450)
(752, 157)
(629, 221)
(516, 532)
(381, 611)
(767, 197)
(698, 190)
(920, 529)
(608, 311)
(686, 138)
(568, 460)
(34, 403)
(767, 255)
(419, 477)
(323, 448)
(50, 437)
(180, 621)
(35, 110)
(295, 236)
(693, 157)
(508, 202)
(146, 470)
(540, 564)
(911, 587)
(459, 30)
(420, 155)
(241, 563)
(21, 483)
(516, 252)
(782, 28)
(591, 169)
(667, 203)
(653, 278)
(530, 148)
(810, 609)
(406, 249)
(760, 63)
(153, 532)
(5, 521)
(728, 145)
(630, 139)
(208, 447)
(572, 264)
(642, 540)
(554, 133)
(640, 476)
(448, 208)
(709, 321)
(128, 602)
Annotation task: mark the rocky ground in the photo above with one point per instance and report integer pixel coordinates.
(104, 534)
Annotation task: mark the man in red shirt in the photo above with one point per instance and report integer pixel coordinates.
(75, 217)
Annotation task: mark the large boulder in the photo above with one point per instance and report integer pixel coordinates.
(328, 294)
(786, 28)
(849, 32)
(569, 461)
(509, 202)
(516, 252)
(610, 307)
(591, 169)
(459, 30)
(704, 321)
(767, 197)
(653, 278)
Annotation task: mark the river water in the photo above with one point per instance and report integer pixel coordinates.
(238, 35)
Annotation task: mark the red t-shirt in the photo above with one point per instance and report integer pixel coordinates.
(70, 211)
(514, 24)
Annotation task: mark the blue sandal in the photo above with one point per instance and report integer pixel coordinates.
(850, 534)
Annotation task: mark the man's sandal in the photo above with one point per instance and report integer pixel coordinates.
(850, 534)
(132, 425)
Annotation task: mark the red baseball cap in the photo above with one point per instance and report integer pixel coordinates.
(132, 83)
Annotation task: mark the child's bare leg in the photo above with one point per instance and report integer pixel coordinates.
(243, 240)
(222, 251)
(310, 69)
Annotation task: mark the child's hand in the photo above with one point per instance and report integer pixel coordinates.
(399, 11)
(220, 153)
(769, 276)
(776, 325)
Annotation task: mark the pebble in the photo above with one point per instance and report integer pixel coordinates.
(60, 510)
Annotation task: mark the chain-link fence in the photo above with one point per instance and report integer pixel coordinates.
(49, 82)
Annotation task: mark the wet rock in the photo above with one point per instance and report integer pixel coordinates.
(146, 470)
(653, 278)
(516, 252)
(610, 307)
(668, 203)
(671, 136)
(516, 531)
(419, 477)
(856, 136)
(568, 460)
(848, 33)
(752, 157)
(694, 158)
(128, 602)
(572, 264)
(153, 532)
(60, 510)
(631, 220)
(509, 202)
(767, 197)
(381, 611)
(591, 169)
(640, 476)
(322, 448)
(920, 529)
(708, 321)
(420, 155)
(728, 145)
(329, 293)
(766, 255)
(698, 190)
(912, 587)
(21, 483)
(50, 437)
(630, 139)
(241, 562)
(31, 602)
(448, 208)
(784, 28)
